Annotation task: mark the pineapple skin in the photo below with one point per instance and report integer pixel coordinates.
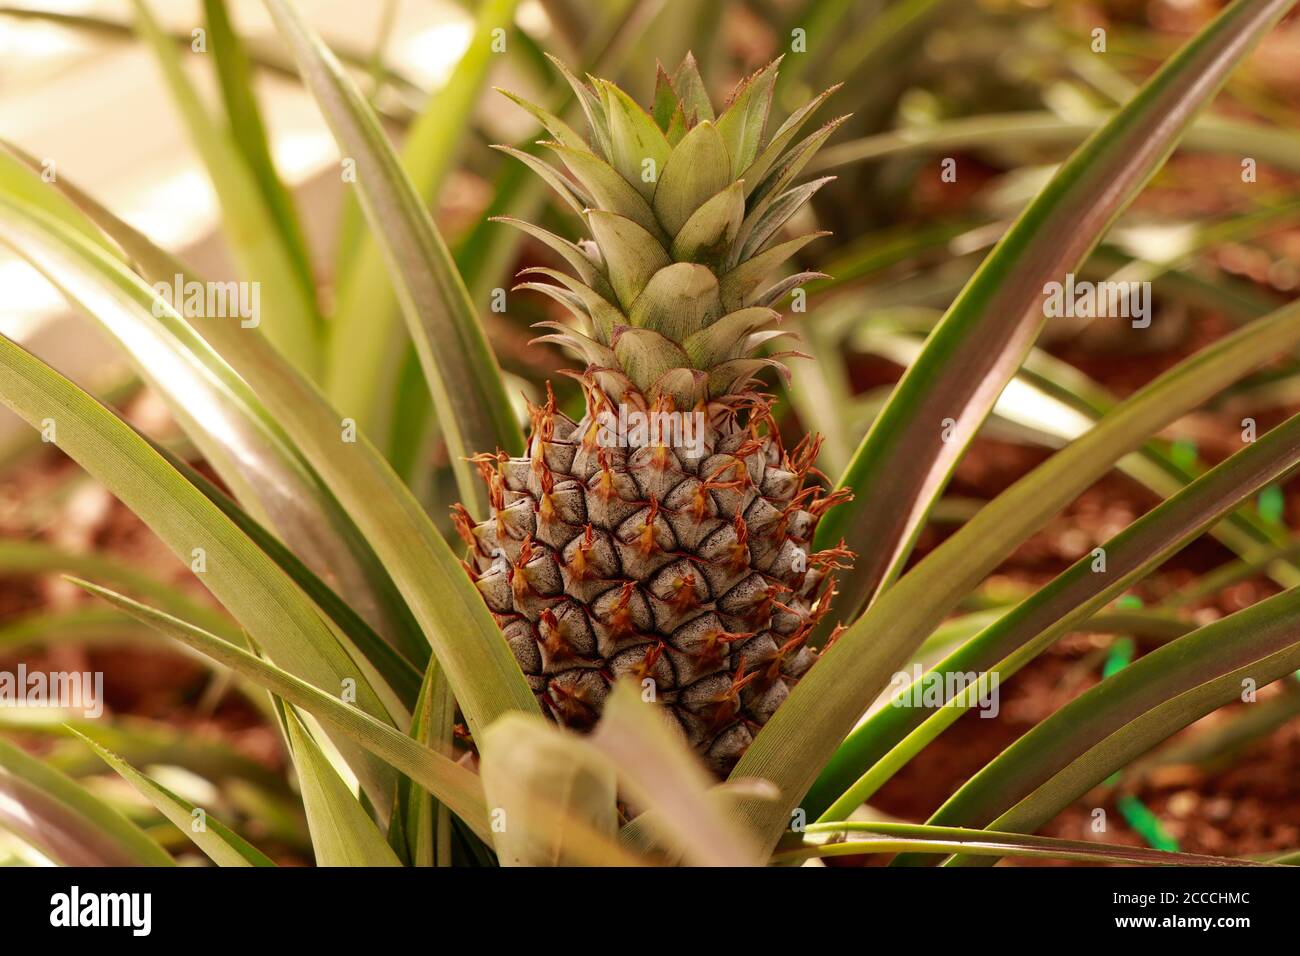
(687, 574)
(682, 566)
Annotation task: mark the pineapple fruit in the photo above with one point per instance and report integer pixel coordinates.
(672, 550)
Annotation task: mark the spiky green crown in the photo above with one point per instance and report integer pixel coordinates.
(685, 207)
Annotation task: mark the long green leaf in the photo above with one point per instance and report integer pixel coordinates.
(37, 557)
(263, 55)
(259, 595)
(911, 449)
(366, 335)
(267, 468)
(342, 834)
(464, 637)
(234, 71)
(1127, 714)
(427, 822)
(1056, 402)
(451, 783)
(259, 246)
(919, 838)
(67, 824)
(219, 842)
(397, 672)
(968, 360)
(147, 743)
(908, 612)
(468, 393)
(1276, 147)
(1053, 610)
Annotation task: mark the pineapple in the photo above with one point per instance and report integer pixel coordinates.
(665, 536)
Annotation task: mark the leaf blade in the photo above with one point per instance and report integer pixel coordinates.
(819, 712)
(906, 457)
(468, 392)
(221, 844)
(66, 822)
(452, 783)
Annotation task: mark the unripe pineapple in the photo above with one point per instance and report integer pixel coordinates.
(675, 550)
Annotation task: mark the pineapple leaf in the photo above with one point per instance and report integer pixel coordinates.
(985, 540)
(640, 148)
(744, 121)
(593, 352)
(20, 178)
(676, 131)
(342, 834)
(762, 225)
(696, 171)
(632, 255)
(65, 822)
(655, 765)
(775, 292)
(459, 367)
(577, 198)
(711, 345)
(422, 567)
(903, 462)
(1128, 713)
(711, 230)
(1060, 606)
(228, 422)
(560, 131)
(731, 376)
(789, 166)
(37, 557)
(222, 845)
(678, 301)
(610, 191)
(557, 795)
(259, 595)
(593, 308)
(366, 330)
(992, 324)
(740, 285)
(264, 252)
(591, 107)
(889, 837)
(426, 821)
(398, 673)
(687, 386)
(588, 271)
(248, 131)
(775, 149)
(457, 787)
(1210, 134)
(666, 104)
(645, 355)
(692, 91)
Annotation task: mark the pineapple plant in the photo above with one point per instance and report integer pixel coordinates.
(678, 554)
(658, 544)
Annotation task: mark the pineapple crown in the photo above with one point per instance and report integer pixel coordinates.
(673, 293)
